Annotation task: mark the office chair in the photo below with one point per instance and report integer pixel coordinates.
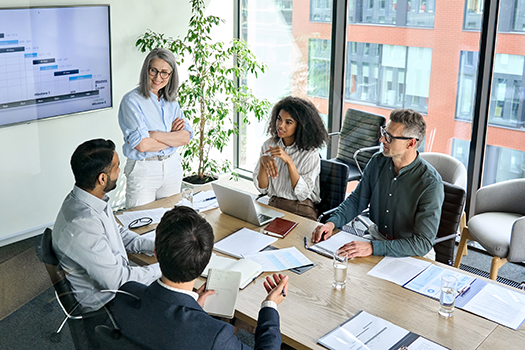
(497, 224)
(111, 339)
(333, 181)
(358, 140)
(64, 296)
(451, 214)
(453, 172)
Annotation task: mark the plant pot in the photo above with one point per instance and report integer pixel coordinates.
(193, 181)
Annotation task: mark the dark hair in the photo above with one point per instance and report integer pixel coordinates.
(414, 123)
(89, 160)
(310, 132)
(169, 92)
(183, 243)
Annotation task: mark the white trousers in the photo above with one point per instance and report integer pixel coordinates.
(148, 181)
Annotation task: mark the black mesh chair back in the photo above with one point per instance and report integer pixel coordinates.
(112, 339)
(333, 181)
(65, 297)
(360, 130)
(451, 212)
(60, 283)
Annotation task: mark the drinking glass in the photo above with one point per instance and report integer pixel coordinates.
(187, 197)
(340, 268)
(447, 296)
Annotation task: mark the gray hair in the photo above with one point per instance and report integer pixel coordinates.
(169, 92)
(414, 123)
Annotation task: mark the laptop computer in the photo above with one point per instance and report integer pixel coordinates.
(242, 206)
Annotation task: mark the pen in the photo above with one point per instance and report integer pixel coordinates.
(209, 199)
(306, 245)
(463, 290)
(284, 293)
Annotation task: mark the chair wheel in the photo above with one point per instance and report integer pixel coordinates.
(55, 337)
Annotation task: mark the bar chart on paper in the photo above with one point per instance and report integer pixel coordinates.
(59, 67)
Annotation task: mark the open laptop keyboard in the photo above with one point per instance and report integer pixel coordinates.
(263, 217)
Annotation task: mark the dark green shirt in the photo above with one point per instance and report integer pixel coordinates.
(405, 207)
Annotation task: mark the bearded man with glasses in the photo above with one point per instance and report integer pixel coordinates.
(405, 194)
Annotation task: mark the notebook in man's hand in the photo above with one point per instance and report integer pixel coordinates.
(279, 227)
(226, 285)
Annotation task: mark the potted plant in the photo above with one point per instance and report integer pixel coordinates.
(211, 95)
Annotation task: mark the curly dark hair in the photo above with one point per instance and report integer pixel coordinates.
(310, 132)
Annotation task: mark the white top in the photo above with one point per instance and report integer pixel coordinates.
(308, 164)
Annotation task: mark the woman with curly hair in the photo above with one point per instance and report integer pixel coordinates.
(289, 165)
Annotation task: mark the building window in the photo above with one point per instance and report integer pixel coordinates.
(511, 15)
(501, 164)
(318, 67)
(389, 75)
(321, 11)
(508, 89)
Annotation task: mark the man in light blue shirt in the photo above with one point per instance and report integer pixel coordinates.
(89, 244)
(153, 127)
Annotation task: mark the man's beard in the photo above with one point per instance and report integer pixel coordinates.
(110, 186)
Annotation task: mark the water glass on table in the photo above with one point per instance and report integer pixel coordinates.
(340, 268)
(447, 296)
(187, 197)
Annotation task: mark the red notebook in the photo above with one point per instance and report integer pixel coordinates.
(279, 227)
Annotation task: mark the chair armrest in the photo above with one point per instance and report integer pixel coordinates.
(364, 149)
(517, 241)
(335, 133)
(445, 238)
(325, 215)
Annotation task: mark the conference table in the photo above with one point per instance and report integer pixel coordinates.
(313, 308)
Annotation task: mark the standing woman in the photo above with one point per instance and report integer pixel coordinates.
(289, 166)
(154, 127)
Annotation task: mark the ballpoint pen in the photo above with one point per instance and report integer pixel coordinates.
(209, 199)
(283, 293)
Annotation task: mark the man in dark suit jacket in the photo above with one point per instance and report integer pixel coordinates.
(168, 314)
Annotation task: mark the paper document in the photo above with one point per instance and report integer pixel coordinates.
(364, 331)
(243, 242)
(398, 270)
(429, 281)
(155, 214)
(202, 201)
(368, 332)
(335, 242)
(279, 260)
(499, 304)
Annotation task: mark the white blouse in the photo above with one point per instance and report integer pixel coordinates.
(308, 164)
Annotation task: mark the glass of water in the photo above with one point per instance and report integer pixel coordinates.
(187, 197)
(340, 269)
(447, 297)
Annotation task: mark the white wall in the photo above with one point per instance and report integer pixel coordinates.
(35, 175)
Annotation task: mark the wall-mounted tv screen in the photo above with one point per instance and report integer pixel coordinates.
(54, 61)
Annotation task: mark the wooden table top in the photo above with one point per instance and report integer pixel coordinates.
(313, 308)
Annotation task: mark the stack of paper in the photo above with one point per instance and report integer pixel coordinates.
(279, 260)
(202, 201)
(243, 242)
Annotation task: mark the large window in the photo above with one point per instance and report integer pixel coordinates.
(508, 89)
(389, 75)
(417, 54)
(277, 32)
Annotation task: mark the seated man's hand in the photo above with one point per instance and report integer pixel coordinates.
(203, 294)
(357, 249)
(277, 288)
(323, 232)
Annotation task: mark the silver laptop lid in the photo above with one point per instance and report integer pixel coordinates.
(241, 205)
